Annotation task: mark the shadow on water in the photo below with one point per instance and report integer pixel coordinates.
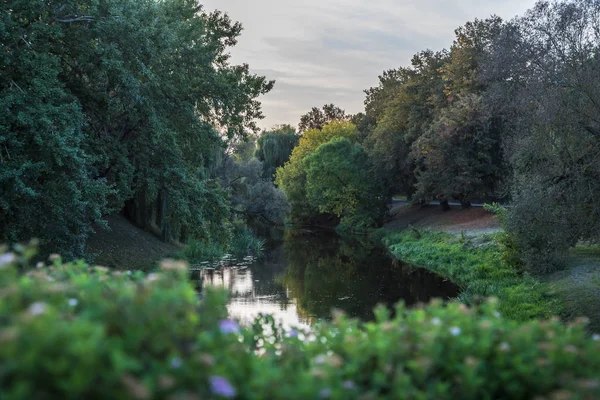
(300, 280)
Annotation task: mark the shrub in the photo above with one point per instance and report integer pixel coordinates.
(75, 331)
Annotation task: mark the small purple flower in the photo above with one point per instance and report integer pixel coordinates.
(293, 333)
(349, 385)
(325, 393)
(221, 387)
(6, 259)
(176, 362)
(37, 308)
(229, 326)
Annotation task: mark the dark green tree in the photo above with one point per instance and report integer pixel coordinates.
(275, 147)
(317, 118)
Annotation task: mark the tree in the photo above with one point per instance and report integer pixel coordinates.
(275, 147)
(402, 106)
(317, 118)
(291, 178)
(339, 181)
(544, 75)
(47, 185)
(134, 98)
(456, 154)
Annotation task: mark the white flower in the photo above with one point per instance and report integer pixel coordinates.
(39, 265)
(596, 337)
(129, 272)
(496, 314)
(152, 277)
(455, 331)
(37, 308)
(6, 259)
(73, 302)
(435, 321)
(320, 359)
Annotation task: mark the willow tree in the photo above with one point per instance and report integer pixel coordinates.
(274, 148)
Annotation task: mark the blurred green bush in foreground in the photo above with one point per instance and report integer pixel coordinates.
(76, 331)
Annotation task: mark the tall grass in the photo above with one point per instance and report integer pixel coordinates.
(243, 242)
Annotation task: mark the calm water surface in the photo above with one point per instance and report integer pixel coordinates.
(301, 279)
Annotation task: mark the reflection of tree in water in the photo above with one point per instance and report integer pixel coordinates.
(327, 272)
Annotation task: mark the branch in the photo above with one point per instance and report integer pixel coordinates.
(68, 20)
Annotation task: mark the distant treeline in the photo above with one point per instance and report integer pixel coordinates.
(511, 111)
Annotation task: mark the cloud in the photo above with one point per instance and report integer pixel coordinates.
(329, 51)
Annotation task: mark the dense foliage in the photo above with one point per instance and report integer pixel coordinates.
(552, 134)
(70, 330)
(508, 112)
(317, 118)
(310, 184)
(274, 148)
(117, 105)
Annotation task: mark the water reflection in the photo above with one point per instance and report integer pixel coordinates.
(302, 279)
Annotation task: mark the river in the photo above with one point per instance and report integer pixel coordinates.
(300, 279)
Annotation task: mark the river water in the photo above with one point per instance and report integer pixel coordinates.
(300, 279)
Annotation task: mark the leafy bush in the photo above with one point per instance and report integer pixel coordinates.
(75, 331)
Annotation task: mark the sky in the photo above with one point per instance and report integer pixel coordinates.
(330, 51)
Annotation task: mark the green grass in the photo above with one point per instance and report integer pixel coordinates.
(475, 265)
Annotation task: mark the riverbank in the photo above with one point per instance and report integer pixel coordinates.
(126, 246)
(475, 264)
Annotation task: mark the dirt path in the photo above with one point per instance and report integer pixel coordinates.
(473, 221)
(126, 246)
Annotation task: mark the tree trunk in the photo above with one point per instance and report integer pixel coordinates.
(444, 204)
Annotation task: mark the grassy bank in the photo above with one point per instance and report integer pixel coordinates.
(475, 265)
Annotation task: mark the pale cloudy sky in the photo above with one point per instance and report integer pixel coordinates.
(329, 51)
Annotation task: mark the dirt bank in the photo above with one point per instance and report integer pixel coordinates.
(126, 246)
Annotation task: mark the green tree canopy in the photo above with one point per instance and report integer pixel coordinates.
(113, 104)
(339, 180)
(291, 178)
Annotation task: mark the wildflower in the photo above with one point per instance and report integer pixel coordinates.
(73, 302)
(152, 277)
(292, 333)
(455, 331)
(221, 387)
(228, 326)
(436, 321)
(39, 265)
(129, 272)
(6, 259)
(496, 314)
(37, 308)
(176, 362)
(325, 393)
(320, 359)
(596, 337)
(349, 385)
